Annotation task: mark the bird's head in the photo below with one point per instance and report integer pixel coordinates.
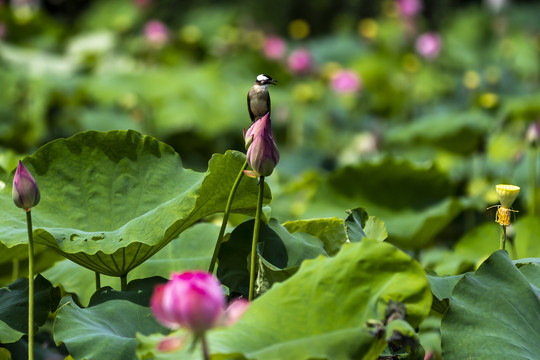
(265, 80)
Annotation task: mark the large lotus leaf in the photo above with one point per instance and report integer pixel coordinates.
(193, 249)
(442, 287)
(103, 331)
(112, 200)
(493, 314)
(322, 310)
(459, 133)
(414, 202)
(14, 307)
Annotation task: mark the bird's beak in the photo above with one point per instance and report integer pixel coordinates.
(273, 82)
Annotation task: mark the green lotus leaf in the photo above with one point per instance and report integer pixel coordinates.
(103, 331)
(330, 230)
(360, 225)
(493, 314)
(459, 133)
(322, 310)
(112, 200)
(414, 202)
(14, 307)
(193, 249)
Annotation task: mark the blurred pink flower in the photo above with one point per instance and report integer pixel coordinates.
(300, 61)
(142, 4)
(274, 47)
(345, 81)
(156, 33)
(533, 132)
(409, 8)
(192, 299)
(428, 45)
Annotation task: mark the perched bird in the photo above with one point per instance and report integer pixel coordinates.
(258, 98)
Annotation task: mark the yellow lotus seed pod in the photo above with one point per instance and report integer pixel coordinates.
(507, 194)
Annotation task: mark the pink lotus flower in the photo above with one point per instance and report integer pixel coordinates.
(428, 45)
(300, 61)
(156, 33)
(234, 312)
(262, 154)
(409, 8)
(345, 81)
(25, 191)
(193, 300)
(274, 47)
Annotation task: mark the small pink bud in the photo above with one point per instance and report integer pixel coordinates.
(533, 132)
(235, 311)
(25, 191)
(192, 299)
(262, 154)
(171, 343)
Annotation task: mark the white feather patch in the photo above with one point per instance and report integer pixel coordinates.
(262, 77)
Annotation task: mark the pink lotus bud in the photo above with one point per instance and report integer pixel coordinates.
(428, 45)
(235, 311)
(533, 132)
(274, 47)
(171, 343)
(409, 8)
(300, 61)
(345, 81)
(25, 191)
(262, 154)
(156, 33)
(192, 299)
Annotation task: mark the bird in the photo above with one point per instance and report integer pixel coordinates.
(258, 98)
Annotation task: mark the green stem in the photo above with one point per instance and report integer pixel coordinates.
(226, 217)
(98, 281)
(253, 262)
(503, 237)
(30, 286)
(532, 179)
(14, 270)
(204, 344)
(123, 282)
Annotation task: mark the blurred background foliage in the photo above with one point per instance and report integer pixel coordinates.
(412, 110)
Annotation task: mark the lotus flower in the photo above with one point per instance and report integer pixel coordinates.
(25, 191)
(262, 154)
(193, 300)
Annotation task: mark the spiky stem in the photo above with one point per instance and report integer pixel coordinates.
(503, 237)
(98, 281)
(256, 228)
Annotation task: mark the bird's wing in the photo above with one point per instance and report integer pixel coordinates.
(251, 115)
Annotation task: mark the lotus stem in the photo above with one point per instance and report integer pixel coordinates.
(14, 270)
(532, 180)
(256, 228)
(204, 344)
(30, 286)
(98, 281)
(503, 237)
(123, 282)
(226, 217)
